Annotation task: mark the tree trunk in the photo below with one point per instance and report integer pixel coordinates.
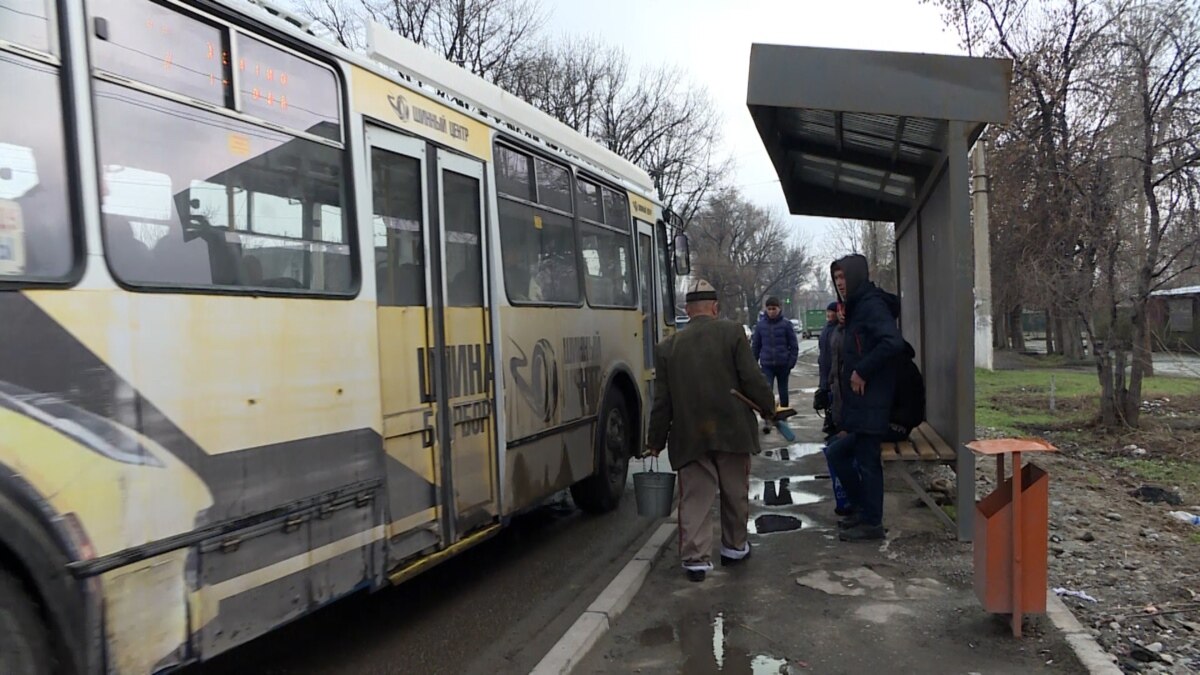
(1149, 365)
(1108, 402)
(1121, 398)
(1071, 344)
(1016, 329)
(1050, 342)
(1141, 356)
(1000, 328)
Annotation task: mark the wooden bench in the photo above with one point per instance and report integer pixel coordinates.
(923, 445)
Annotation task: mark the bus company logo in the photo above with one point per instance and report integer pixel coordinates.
(400, 105)
(642, 210)
(537, 378)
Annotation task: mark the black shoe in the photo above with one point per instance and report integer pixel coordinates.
(695, 575)
(733, 561)
(863, 532)
(849, 522)
(843, 512)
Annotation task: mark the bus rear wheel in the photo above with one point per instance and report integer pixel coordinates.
(601, 492)
(25, 647)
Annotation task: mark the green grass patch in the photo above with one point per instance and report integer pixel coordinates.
(1017, 401)
(1170, 472)
(1195, 538)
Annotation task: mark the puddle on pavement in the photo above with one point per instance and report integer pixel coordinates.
(794, 451)
(707, 648)
(786, 491)
(770, 523)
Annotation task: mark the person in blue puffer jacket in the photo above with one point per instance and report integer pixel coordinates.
(775, 347)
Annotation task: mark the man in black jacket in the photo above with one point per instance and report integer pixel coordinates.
(867, 381)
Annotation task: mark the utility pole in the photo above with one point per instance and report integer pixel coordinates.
(983, 257)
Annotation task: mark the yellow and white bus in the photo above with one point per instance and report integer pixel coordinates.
(279, 323)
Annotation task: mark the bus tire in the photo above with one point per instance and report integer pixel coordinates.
(25, 647)
(601, 492)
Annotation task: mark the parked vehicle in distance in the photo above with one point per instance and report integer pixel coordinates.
(814, 321)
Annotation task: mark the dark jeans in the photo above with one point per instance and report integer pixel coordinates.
(857, 464)
(779, 373)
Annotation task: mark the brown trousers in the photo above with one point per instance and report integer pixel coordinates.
(698, 485)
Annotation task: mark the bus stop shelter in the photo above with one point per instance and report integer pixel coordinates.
(885, 136)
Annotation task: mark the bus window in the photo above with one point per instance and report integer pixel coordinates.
(539, 255)
(36, 240)
(150, 43)
(665, 284)
(608, 271)
(616, 210)
(513, 173)
(553, 185)
(281, 87)
(167, 167)
(27, 23)
(464, 252)
(589, 201)
(399, 244)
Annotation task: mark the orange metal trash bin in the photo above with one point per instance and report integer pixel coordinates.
(1011, 532)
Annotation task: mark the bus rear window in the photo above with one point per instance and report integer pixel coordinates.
(36, 241)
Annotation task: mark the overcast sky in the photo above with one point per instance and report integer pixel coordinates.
(710, 40)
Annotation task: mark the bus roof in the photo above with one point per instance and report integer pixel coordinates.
(416, 61)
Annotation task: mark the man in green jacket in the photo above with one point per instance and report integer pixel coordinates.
(712, 433)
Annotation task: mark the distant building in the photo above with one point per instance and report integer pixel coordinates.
(1173, 317)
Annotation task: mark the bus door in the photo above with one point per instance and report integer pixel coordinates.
(650, 306)
(404, 283)
(469, 431)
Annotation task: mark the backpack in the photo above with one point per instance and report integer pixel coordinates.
(908, 402)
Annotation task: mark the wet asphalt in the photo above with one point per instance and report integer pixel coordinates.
(805, 602)
(498, 608)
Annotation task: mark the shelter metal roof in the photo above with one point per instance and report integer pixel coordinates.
(855, 134)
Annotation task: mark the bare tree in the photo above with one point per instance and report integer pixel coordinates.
(1158, 65)
(1095, 194)
(653, 118)
(486, 37)
(874, 240)
(747, 252)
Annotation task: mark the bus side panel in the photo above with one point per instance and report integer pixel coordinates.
(556, 361)
(198, 410)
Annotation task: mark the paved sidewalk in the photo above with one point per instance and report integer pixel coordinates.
(805, 602)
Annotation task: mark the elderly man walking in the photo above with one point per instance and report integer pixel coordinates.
(712, 434)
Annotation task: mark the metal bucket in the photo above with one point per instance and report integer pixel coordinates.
(655, 492)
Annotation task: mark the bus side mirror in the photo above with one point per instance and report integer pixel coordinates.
(683, 255)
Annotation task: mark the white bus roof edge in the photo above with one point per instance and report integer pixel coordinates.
(408, 57)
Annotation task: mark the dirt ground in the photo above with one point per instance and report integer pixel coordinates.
(1111, 537)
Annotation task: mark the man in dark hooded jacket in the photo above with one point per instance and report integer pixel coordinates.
(867, 381)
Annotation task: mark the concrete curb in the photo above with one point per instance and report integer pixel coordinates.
(1090, 653)
(600, 615)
